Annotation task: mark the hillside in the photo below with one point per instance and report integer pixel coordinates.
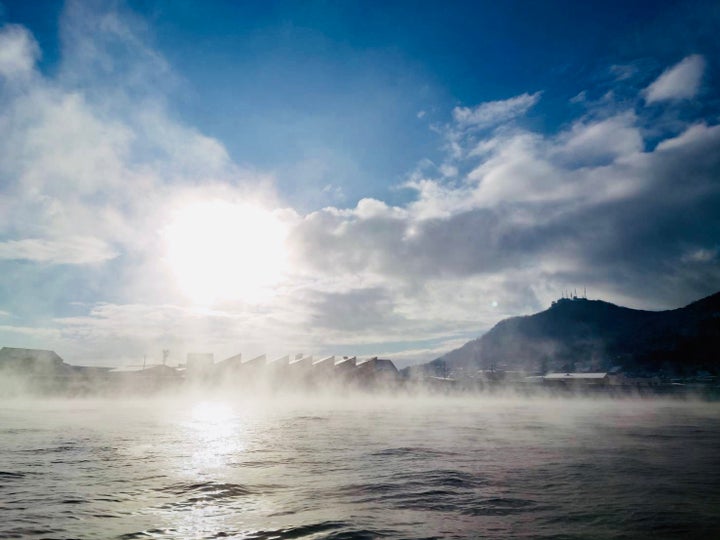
(581, 334)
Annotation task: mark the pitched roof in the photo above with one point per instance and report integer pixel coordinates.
(575, 376)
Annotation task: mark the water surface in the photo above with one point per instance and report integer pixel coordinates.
(360, 468)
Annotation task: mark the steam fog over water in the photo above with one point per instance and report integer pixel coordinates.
(365, 467)
(311, 270)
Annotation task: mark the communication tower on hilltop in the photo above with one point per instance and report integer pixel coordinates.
(572, 294)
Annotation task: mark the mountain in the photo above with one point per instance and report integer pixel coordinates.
(581, 334)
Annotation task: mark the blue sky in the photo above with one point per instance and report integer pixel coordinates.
(433, 168)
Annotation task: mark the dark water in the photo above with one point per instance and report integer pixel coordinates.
(373, 468)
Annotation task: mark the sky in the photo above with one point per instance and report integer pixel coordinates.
(348, 178)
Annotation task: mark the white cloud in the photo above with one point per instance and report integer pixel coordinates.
(491, 113)
(448, 171)
(18, 52)
(61, 147)
(622, 72)
(694, 135)
(580, 97)
(108, 53)
(31, 331)
(581, 207)
(600, 141)
(335, 193)
(373, 208)
(681, 81)
(701, 255)
(85, 159)
(518, 171)
(70, 250)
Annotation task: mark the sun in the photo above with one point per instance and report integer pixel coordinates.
(220, 251)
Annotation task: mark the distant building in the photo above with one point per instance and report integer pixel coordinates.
(45, 369)
(30, 360)
(377, 370)
(278, 368)
(576, 379)
(281, 362)
(620, 379)
(323, 365)
(346, 365)
(232, 361)
(228, 369)
(143, 378)
(298, 373)
(301, 364)
(256, 363)
(199, 365)
(45, 372)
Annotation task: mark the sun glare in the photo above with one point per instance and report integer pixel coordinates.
(224, 251)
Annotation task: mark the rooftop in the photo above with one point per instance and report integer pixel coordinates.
(574, 376)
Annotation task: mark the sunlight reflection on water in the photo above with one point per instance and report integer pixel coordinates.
(216, 433)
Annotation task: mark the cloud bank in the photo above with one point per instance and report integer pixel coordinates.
(97, 163)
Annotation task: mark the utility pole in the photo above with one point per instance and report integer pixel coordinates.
(166, 353)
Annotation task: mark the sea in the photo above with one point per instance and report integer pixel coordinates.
(359, 466)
